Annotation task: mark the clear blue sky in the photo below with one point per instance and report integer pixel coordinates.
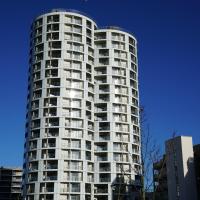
(168, 34)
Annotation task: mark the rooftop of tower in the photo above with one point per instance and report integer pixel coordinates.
(117, 28)
(72, 11)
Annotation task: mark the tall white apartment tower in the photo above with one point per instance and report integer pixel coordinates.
(82, 130)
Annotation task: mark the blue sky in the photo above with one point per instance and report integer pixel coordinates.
(168, 34)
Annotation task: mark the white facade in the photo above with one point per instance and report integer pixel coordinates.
(82, 130)
(180, 169)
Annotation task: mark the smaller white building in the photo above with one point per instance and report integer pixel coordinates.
(180, 168)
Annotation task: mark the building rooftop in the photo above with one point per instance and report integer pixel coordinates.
(117, 28)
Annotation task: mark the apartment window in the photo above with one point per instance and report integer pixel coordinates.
(39, 48)
(51, 73)
(38, 57)
(68, 28)
(103, 52)
(88, 155)
(75, 143)
(31, 188)
(100, 36)
(120, 147)
(51, 92)
(77, 20)
(131, 41)
(75, 113)
(133, 67)
(76, 176)
(55, 45)
(50, 102)
(77, 123)
(133, 58)
(75, 154)
(75, 46)
(50, 164)
(73, 133)
(133, 75)
(134, 93)
(74, 55)
(119, 157)
(48, 153)
(104, 177)
(121, 90)
(73, 64)
(102, 157)
(47, 187)
(101, 146)
(77, 29)
(52, 36)
(119, 80)
(76, 103)
(119, 62)
(134, 111)
(117, 36)
(50, 176)
(120, 54)
(89, 33)
(49, 112)
(53, 82)
(53, 18)
(132, 49)
(88, 41)
(35, 134)
(122, 127)
(134, 120)
(75, 197)
(51, 63)
(37, 94)
(52, 121)
(100, 44)
(52, 27)
(74, 93)
(104, 88)
(120, 117)
(135, 159)
(90, 51)
(89, 24)
(38, 39)
(119, 108)
(51, 132)
(74, 74)
(37, 85)
(68, 18)
(75, 84)
(118, 45)
(54, 54)
(77, 38)
(68, 36)
(118, 71)
(103, 61)
(73, 28)
(33, 165)
(39, 22)
(103, 126)
(36, 66)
